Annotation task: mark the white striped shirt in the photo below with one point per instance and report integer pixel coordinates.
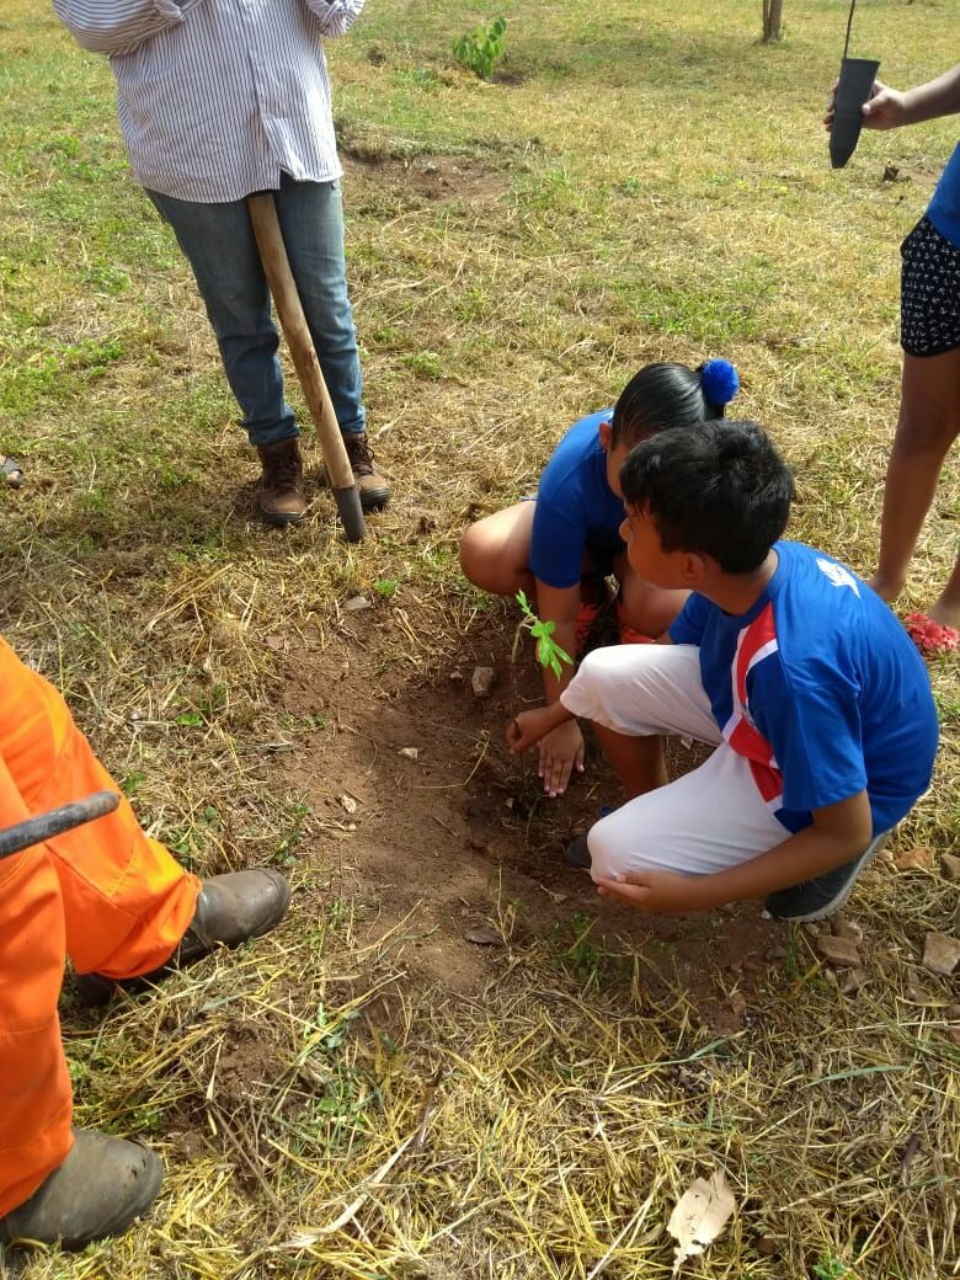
(217, 97)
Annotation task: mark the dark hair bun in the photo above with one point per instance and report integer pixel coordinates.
(720, 382)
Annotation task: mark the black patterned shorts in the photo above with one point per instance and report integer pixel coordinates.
(929, 292)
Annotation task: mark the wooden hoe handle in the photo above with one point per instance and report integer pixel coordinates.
(276, 267)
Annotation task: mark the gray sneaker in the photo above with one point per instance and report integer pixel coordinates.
(819, 898)
(577, 853)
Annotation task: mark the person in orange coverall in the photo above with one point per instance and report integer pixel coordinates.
(122, 907)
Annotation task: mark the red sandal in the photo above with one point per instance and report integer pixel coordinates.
(931, 637)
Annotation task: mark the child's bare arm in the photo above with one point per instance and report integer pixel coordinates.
(940, 97)
(559, 605)
(527, 727)
(888, 108)
(837, 835)
(561, 749)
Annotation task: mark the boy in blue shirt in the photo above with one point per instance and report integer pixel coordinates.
(559, 547)
(816, 700)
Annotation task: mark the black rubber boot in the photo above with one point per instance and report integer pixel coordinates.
(230, 909)
(101, 1188)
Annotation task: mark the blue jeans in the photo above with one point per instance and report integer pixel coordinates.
(218, 242)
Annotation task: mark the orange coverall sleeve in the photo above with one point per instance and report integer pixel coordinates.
(114, 900)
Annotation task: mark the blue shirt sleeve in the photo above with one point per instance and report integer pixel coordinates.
(813, 726)
(557, 544)
(688, 627)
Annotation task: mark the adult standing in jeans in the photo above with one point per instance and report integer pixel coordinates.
(219, 99)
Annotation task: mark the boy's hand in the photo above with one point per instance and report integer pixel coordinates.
(561, 751)
(659, 892)
(527, 728)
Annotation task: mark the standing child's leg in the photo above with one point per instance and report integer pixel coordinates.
(929, 423)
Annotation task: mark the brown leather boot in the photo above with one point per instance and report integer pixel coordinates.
(230, 909)
(102, 1186)
(374, 490)
(281, 485)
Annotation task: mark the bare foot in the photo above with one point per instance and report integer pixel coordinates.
(886, 588)
(946, 612)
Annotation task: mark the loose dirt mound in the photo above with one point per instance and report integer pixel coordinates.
(446, 841)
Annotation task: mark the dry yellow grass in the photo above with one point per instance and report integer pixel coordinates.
(653, 184)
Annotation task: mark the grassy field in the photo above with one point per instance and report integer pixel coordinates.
(640, 181)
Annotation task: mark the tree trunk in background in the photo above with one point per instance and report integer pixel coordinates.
(772, 20)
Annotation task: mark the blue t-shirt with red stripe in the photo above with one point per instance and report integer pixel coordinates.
(821, 688)
(576, 507)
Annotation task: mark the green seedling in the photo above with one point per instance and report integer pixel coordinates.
(549, 653)
(478, 52)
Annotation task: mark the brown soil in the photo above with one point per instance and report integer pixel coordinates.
(458, 843)
(431, 178)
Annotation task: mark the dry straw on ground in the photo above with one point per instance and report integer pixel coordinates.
(650, 184)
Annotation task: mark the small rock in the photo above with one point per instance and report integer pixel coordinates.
(275, 643)
(409, 753)
(482, 681)
(456, 677)
(852, 980)
(356, 604)
(347, 803)
(847, 929)
(738, 1004)
(941, 953)
(919, 859)
(839, 951)
(891, 173)
(951, 866)
(767, 1246)
(776, 953)
(483, 938)
(913, 990)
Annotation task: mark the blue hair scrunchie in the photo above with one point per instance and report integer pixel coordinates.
(721, 381)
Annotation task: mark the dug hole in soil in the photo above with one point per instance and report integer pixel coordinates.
(433, 830)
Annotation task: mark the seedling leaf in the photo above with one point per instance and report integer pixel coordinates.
(549, 653)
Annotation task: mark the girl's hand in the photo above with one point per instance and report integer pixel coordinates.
(561, 751)
(884, 109)
(659, 892)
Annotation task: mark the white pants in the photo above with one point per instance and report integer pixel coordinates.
(705, 821)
